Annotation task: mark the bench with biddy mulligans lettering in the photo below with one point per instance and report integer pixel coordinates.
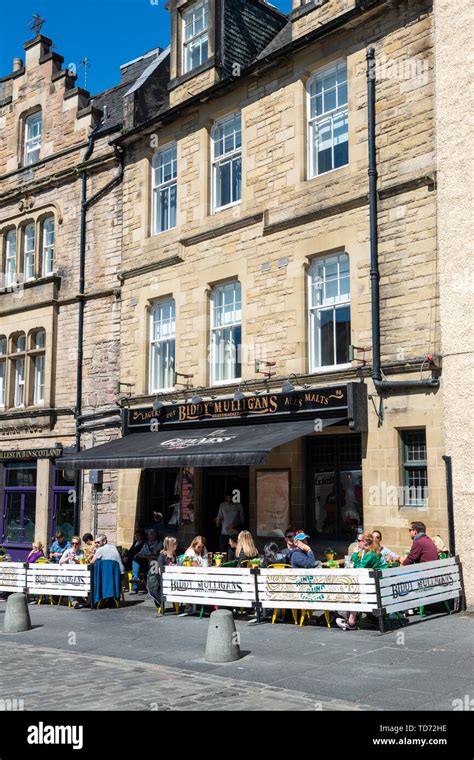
(210, 587)
(46, 579)
(383, 593)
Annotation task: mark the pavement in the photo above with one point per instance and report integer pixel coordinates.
(150, 662)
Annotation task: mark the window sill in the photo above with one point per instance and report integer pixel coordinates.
(325, 174)
(224, 383)
(224, 208)
(332, 368)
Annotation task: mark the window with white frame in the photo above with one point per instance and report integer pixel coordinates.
(195, 36)
(10, 258)
(415, 468)
(29, 251)
(226, 333)
(3, 368)
(328, 120)
(32, 138)
(162, 346)
(48, 246)
(165, 172)
(38, 357)
(227, 161)
(329, 311)
(18, 365)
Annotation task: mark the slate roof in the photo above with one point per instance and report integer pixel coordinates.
(131, 72)
(113, 99)
(279, 41)
(252, 30)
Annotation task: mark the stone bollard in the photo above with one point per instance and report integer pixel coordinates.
(222, 638)
(17, 615)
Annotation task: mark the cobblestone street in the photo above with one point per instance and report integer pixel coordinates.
(146, 662)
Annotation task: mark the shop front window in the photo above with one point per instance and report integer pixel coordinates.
(336, 485)
(63, 502)
(19, 503)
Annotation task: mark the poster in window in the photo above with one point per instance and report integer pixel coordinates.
(273, 502)
(187, 496)
(325, 502)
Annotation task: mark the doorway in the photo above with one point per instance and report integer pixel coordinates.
(216, 482)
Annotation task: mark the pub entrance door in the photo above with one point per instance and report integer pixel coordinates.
(216, 482)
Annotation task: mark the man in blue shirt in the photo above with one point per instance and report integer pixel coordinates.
(58, 547)
(302, 556)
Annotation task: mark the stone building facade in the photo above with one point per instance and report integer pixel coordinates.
(45, 125)
(237, 254)
(289, 218)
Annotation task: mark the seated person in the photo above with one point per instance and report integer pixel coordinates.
(166, 557)
(423, 548)
(387, 554)
(369, 555)
(105, 550)
(138, 565)
(245, 548)
(88, 546)
(354, 546)
(302, 556)
(198, 552)
(272, 555)
(36, 552)
(233, 539)
(151, 548)
(58, 547)
(73, 556)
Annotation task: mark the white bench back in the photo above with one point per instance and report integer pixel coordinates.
(316, 589)
(410, 586)
(220, 586)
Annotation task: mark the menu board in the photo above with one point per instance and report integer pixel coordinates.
(273, 502)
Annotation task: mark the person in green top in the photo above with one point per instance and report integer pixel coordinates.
(368, 555)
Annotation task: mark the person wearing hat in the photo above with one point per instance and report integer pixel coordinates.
(302, 555)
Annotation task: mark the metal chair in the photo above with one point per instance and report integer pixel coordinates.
(278, 566)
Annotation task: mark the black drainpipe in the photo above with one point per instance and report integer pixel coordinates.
(450, 503)
(85, 204)
(382, 386)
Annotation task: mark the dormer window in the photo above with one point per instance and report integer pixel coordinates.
(195, 35)
(33, 125)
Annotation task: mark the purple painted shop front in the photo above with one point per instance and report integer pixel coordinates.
(18, 508)
(18, 515)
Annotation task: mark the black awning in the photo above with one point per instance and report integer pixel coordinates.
(202, 447)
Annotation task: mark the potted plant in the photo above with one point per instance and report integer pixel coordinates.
(217, 559)
(330, 553)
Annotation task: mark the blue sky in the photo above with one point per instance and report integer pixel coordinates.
(107, 32)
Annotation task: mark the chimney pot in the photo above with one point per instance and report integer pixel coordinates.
(17, 64)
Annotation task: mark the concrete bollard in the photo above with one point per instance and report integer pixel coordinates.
(17, 615)
(222, 638)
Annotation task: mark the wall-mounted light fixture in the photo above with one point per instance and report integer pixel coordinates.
(352, 352)
(288, 386)
(259, 363)
(157, 404)
(187, 384)
(127, 385)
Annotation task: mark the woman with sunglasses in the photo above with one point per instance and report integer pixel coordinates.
(73, 556)
(369, 555)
